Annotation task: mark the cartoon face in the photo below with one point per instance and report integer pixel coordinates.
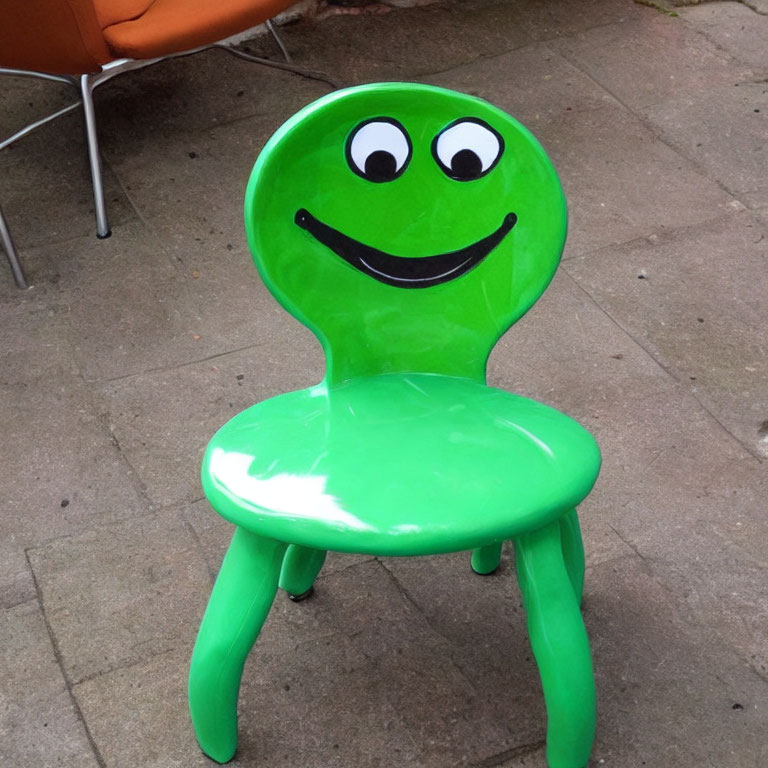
(405, 225)
(379, 150)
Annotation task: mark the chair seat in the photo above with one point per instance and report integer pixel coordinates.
(401, 464)
(171, 26)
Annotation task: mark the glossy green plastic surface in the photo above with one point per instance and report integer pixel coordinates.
(408, 227)
(402, 449)
(398, 464)
(365, 326)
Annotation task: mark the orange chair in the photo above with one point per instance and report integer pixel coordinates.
(84, 43)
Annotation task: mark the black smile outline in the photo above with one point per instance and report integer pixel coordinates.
(402, 271)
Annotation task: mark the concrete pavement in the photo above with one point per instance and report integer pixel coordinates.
(127, 354)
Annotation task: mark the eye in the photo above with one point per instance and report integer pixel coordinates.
(467, 149)
(379, 149)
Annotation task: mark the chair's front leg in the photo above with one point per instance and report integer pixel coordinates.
(560, 645)
(239, 604)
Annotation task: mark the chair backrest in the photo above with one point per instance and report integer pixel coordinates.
(57, 36)
(406, 225)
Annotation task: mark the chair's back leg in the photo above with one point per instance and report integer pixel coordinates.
(89, 112)
(271, 27)
(10, 252)
(485, 560)
(560, 645)
(301, 567)
(239, 604)
(573, 551)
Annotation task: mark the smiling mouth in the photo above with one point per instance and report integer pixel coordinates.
(402, 271)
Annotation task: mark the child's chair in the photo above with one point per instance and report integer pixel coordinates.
(408, 227)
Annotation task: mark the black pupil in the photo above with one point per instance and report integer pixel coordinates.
(380, 166)
(465, 164)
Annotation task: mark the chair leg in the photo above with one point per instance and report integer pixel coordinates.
(10, 252)
(271, 27)
(573, 551)
(239, 604)
(301, 566)
(560, 645)
(288, 67)
(485, 560)
(86, 91)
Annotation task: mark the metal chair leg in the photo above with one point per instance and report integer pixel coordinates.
(86, 90)
(10, 251)
(309, 73)
(278, 40)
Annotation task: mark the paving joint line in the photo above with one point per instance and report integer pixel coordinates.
(509, 754)
(127, 665)
(102, 419)
(212, 573)
(753, 453)
(60, 662)
(430, 624)
(657, 134)
(693, 625)
(24, 601)
(103, 525)
(187, 364)
(706, 35)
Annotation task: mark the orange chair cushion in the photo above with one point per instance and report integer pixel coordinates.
(172, 26)
(114, 11)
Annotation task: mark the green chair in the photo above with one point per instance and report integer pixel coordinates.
(408, 227)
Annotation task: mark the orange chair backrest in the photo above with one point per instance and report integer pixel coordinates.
(58, 36)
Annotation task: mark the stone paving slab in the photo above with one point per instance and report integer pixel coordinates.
(620, 180)
(53, 441)
(319, 707)
(38, 97)
(443, 711)
(119, 594)
(192, 94)
(100, 283)
(671, 475)
(119, 365)
(729, 143)
(405, 44)
(666, 691)
(563, 18)
(163, 420)
(482, 624)
(39, 723)
(630, 619)
(701, 313)
(667, 694)
(690, 528)
(45, 184)
(34, 343)
(534, 83)
(661, 58)
(733, 27)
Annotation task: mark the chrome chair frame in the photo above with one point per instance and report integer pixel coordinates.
(86, 84)
(10, 252)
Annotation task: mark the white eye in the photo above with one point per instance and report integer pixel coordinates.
(379, 149)
(467, 149)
